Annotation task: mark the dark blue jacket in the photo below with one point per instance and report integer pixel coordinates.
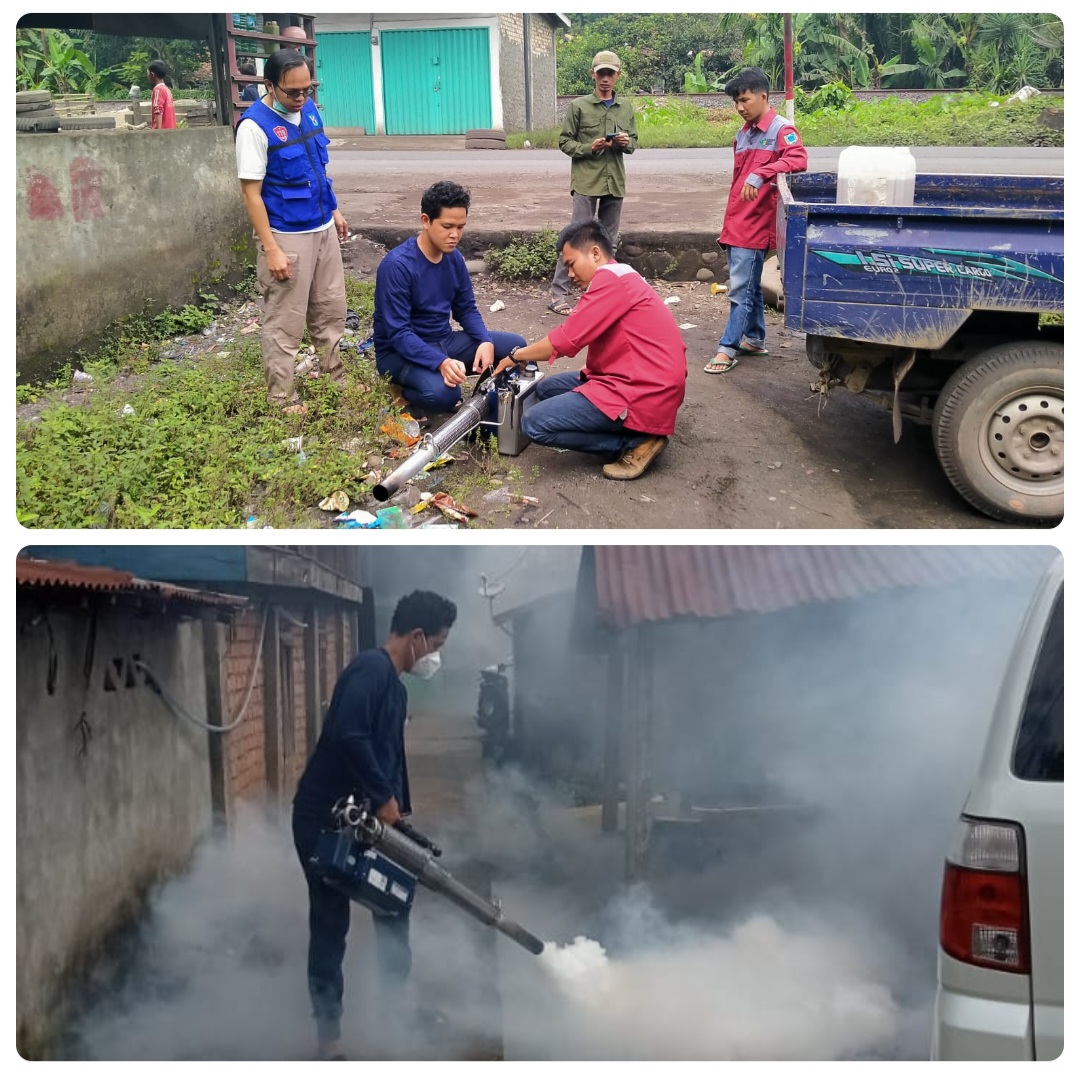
(361, 749)
(296, 190)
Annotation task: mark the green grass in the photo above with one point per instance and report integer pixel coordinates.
(956, 119)
(203, 449)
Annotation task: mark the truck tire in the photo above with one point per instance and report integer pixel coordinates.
(87, 122)
(33, 96)
(486, 135)
(485, 142)
(44, 124)
(999, 431)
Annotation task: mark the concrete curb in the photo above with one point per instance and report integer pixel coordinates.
(677, 256)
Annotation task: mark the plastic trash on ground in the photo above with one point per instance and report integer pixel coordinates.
(402, 428)
(355, 520)
(338, 501)
(498, 306)
(505, 495)
(392, 518)
(673, 300)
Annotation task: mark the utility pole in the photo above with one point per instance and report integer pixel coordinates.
(789, 71)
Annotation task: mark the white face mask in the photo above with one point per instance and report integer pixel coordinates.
(425, 666)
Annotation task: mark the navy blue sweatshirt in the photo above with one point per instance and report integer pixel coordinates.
(361, 749)
(415, 299)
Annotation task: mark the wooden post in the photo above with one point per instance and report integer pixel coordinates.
(339, 622)
(312, 680)
(636, 753)
(614, 711)
(217, 704)
(272, 704)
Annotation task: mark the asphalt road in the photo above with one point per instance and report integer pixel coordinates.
(667, 189)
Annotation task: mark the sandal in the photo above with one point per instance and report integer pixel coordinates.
(750, 350)
(717, 366)
(560, 307)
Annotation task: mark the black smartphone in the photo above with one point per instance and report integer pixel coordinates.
(610, 137)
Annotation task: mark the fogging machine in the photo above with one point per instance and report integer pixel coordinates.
(379, 866)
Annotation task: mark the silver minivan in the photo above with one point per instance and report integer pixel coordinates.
(1001, 971)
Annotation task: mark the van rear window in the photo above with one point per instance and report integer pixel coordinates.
(1040, 744)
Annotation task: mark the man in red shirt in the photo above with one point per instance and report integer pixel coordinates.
(766, 146)
(162, 112)
(622, 405)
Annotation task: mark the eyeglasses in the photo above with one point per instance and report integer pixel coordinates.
(296, 94)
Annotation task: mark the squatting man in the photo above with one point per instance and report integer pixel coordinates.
(361, 751)
(622, 405)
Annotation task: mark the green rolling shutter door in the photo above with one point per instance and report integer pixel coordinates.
(346, 91)
(436, 81)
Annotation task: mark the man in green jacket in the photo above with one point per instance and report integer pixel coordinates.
(598, 131)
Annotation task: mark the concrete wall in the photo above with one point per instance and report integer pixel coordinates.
(542, 71)
(106, 221)
(96, 830)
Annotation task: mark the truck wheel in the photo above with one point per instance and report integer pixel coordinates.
(999, 431)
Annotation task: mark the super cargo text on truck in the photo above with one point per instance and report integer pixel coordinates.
(934, 311)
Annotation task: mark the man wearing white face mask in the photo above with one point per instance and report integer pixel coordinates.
(361, 751)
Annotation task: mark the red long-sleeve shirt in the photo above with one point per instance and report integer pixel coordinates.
(636, 365)
(763, 150)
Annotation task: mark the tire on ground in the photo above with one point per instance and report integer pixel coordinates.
(1006, 388)
(33, 96)
(44, 124)
(484, 142)
(490, 135)
(38, 108)
(87, 122)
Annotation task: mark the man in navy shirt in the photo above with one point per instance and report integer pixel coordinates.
(419, 286)
(361, 751)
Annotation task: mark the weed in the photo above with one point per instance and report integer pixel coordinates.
(532, 256)
(203, 447)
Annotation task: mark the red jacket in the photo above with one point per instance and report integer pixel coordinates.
(762, 151)
(636, 365)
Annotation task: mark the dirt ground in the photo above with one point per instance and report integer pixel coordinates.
(752, 449)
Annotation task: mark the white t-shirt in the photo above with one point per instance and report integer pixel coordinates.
(251, 149)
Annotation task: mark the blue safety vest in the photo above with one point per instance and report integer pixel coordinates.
(296, 191)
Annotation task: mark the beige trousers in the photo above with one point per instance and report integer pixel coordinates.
(315, 295)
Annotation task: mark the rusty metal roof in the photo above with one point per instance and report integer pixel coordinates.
(62, 574)
(648, 583)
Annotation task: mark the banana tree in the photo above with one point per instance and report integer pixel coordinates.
(50, 59)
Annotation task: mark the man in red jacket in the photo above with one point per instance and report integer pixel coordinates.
(622, 405)
(767, 145)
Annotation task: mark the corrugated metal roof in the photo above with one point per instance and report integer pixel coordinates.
(648, 583)
(62, 574)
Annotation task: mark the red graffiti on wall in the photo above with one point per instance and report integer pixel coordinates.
(42, 198)
(85, 189)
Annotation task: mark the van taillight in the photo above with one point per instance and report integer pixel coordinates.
(984, 898)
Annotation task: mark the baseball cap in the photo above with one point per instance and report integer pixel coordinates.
(606, 61)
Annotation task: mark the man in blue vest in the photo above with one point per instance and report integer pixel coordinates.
(281, 158)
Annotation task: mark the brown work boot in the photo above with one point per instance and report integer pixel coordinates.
(635, 462)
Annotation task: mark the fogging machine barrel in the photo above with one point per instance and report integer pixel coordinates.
(420, 862)
(467, 418)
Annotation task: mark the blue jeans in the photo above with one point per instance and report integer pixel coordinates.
(329, 912)
(568, 420)
(747, 318)
(423, 386)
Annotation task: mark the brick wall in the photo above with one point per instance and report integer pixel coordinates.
(512, 71)
(245, 748)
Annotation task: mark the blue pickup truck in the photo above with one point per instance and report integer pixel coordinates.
(936, 311)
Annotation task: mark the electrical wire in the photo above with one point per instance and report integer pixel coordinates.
(177, 709)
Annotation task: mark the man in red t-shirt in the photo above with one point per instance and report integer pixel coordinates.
(622, 405)
(767, 145)
(162, 112)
